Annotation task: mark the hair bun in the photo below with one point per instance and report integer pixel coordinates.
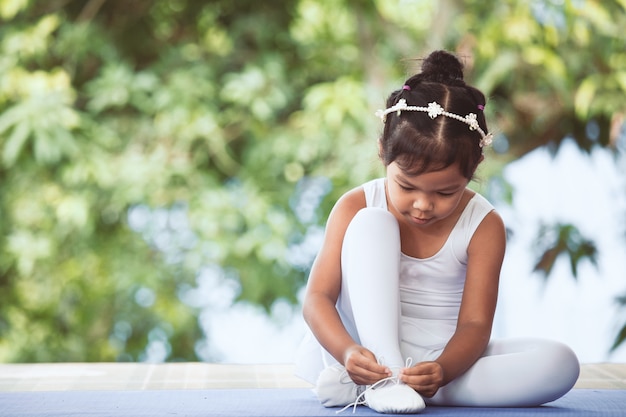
(442, 67)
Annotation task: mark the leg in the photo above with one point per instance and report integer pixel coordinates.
(370, 269)
(370, 308)
(514, 373)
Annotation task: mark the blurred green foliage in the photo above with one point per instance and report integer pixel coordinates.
(205, 121)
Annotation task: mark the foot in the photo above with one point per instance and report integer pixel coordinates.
(334, 387)
(393, 397)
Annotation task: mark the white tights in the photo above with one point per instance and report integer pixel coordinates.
(511, 373)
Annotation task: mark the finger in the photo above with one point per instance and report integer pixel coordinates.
(429, 370)
(424, 388)
(427, 392)
(366, 376)
(420, 382)
(371, 377)
(369, 373)
(376, 368)
(368, 362)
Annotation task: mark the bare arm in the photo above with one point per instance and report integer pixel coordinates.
(324, 285)
(485, 256)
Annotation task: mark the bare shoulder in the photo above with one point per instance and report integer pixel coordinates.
(345, 209)
(490, 236)
(353, 200)
(493, 220)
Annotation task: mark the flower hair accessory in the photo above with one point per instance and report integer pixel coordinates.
(434, 110)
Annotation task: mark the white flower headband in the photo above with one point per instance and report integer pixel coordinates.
(434, 110)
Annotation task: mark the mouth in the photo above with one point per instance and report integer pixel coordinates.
(418, 220)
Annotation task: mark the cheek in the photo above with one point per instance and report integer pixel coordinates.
(399, 200)
(447, 206)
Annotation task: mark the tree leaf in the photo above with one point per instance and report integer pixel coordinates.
(14, 144)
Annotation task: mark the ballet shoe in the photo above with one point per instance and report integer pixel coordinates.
(393, 397)
(389, 396)
(334, 388)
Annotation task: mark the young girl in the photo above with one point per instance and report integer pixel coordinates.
(402, 294)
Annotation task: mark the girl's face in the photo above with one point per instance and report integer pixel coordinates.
(425, 199)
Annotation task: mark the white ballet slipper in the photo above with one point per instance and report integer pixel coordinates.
(392, 396)
(334, 387)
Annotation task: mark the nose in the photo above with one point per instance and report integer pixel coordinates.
(422, 204)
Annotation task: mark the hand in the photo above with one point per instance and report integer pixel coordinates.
(425, 378)
(362, 366)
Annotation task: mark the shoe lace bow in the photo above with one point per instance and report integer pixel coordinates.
(360, 399)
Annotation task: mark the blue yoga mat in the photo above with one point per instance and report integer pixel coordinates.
(266, 403)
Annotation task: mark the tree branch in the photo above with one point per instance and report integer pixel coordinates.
(90, 10)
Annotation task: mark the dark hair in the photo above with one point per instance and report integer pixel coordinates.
(420, 144)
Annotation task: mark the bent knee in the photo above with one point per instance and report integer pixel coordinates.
(563, 359)
(374, 215)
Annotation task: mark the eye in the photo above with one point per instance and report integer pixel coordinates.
(446, 194)
(405, 187)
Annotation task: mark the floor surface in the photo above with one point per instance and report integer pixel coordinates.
(193, 375)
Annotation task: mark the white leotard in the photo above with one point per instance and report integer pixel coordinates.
(431, 288)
